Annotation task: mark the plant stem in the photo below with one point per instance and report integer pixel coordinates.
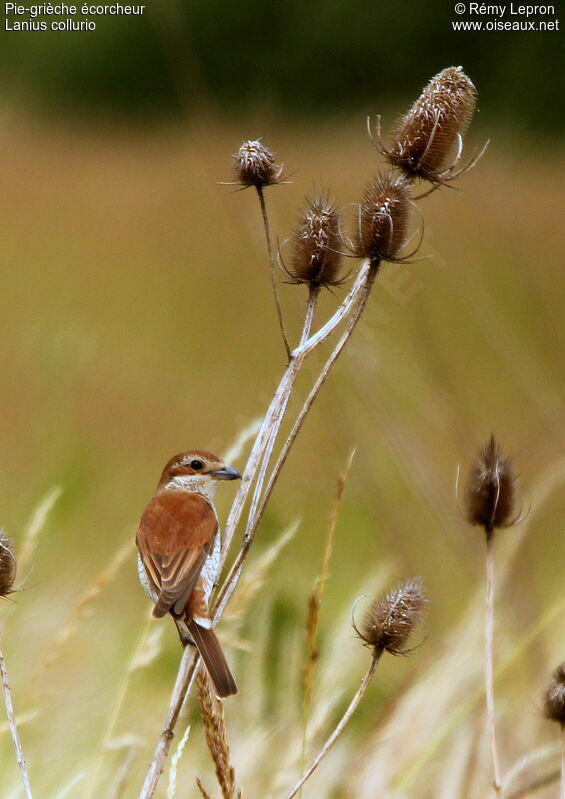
(489, 679)
(233, 577)
(356, 290)
(183, 684)
(266, 226)
(536, 785)
(297, 361)
(313, 295)
(255, 455)
(341, 725)
(352, 324)
(354, 301)
(13, 728)
(314, 610)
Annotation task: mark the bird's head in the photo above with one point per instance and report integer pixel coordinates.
(196, 470)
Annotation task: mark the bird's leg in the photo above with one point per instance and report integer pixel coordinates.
(184, 635)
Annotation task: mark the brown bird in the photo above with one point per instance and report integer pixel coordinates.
(179, 554)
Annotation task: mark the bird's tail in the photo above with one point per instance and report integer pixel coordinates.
(211, 652)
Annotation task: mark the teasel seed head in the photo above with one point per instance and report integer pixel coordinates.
(7, 565)
(255, 165)
(431, 130)
(383, 219)
(555, 696)
(491, 492)
(393, 618)
(316, 259)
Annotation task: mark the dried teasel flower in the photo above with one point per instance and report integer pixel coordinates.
(392, 619)
(383, 219)
(490, 494)
(7, 565)
(432, 129)
(255, 165)
(555, 696)
(316, 259)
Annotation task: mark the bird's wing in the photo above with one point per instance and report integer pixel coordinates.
(175, 535)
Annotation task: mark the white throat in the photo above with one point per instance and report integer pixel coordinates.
(194, 483)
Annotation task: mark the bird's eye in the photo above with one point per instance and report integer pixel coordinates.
(196, 465)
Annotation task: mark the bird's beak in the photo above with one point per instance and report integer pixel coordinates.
(226, 473)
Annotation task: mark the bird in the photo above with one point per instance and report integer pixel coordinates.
(179, 548)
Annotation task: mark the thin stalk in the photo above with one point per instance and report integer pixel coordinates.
(356, 290)
(352, 324)
(489, 678)
(314, 610)
(271, 439)
(341, 725)
(13, 728)
(254, 458)
(267, 228)
(536, 785)
(313, 295)
(234, 575)
(354, 301)
(183, 685)
(528, 765)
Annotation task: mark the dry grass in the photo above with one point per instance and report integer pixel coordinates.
(216, 737)
(106, 338)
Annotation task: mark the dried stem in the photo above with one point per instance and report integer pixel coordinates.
(272, 436)
(315, 605)
(203, 792)
(354, 303)
(183, 684)
(313, 295)
(489, 679)
(13, 728)
(264, 214)
(348, 304)
(341, 725)
(175, 760)
(296, 361)
(351, 325)
(356, 290)
(233, 577)
(536, 785)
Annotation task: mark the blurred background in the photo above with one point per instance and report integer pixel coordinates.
(137, 321)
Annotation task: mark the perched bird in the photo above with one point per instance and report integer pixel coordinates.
(179, 554)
